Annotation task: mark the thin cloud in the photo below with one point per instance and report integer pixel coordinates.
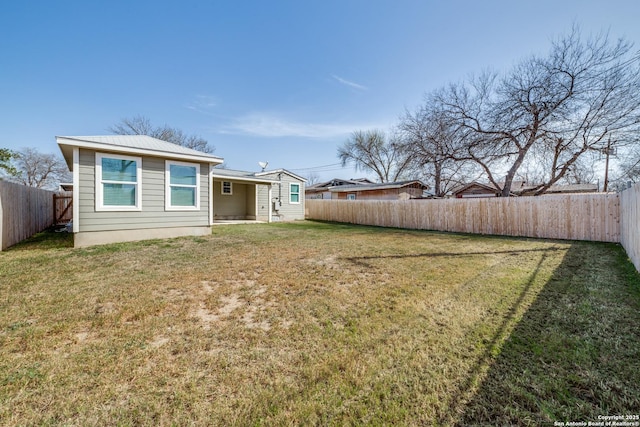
(202, 104)
(349, 83)
(272, 126)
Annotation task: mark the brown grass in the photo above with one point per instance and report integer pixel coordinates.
(312, 323)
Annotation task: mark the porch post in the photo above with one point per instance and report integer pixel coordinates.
(211, 196)
(75, 227)
(269, 201)
(255, 210)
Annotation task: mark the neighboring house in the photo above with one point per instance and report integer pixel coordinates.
(322, 189)
(265, 196)
(134, 187)
(518, 188)
(402, 190)
(475, 190)
(567, 189)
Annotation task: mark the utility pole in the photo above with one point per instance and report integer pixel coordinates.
(606, 166)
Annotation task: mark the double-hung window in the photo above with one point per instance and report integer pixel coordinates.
(294, 193)
(182, 190)
(118, 182)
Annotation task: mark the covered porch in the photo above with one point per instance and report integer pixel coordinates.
(239, 197)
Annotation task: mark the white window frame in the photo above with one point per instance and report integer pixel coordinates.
(291, 193)
(167, 186)
(230, 193)
(100, 206)
(351, 196)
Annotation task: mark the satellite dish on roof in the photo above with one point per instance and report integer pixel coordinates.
(263, 165)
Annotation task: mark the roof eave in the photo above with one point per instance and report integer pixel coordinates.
(373, 187)
(282, 171)
(243, 179)
(69, 142)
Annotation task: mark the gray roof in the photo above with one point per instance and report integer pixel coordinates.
(239, 175)
(522, 188)
(322, 186)
(378, 186)
(251, 176)
(489, 187)
(573, 188)
(232, 173)
(136, 144)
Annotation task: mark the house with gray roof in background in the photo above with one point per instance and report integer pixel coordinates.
(134, 187)
(363, 189)
(518, 188)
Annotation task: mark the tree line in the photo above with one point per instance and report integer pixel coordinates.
(548, 120)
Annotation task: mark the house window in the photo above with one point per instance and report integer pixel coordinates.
(227, 188)
(351, 196)
(182, 190)
(118, 182)
(294, 193)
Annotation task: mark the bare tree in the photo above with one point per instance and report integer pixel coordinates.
(433, 145)
(313, 178)
(562, 106)
(140, 125)
(41, 170)
(371, 151)
(629, 167)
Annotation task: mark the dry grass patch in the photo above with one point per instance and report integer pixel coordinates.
(312, 323)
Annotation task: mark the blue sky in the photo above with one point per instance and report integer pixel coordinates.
(281, 81)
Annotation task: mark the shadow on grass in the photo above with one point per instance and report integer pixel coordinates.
(49, 239)
(458, 398)
(573, 356)
(362, 260)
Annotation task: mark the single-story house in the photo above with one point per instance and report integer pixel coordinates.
(321, 189)
(134, 187)
(401, 190)
(518, 188)
(475, 190)
(567, 189)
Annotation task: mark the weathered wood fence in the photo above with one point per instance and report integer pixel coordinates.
(577, 217)
(24, 211)
(63, 207)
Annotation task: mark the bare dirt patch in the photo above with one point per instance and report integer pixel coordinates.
(159, 341)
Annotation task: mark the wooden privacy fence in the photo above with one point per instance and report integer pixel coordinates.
(576, 217)
(24, 211)
(630, 223)
(63, 208)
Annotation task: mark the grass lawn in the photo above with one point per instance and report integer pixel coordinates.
(314, 323)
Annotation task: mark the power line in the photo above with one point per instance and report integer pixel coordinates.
(316, 167)
(322, 168)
